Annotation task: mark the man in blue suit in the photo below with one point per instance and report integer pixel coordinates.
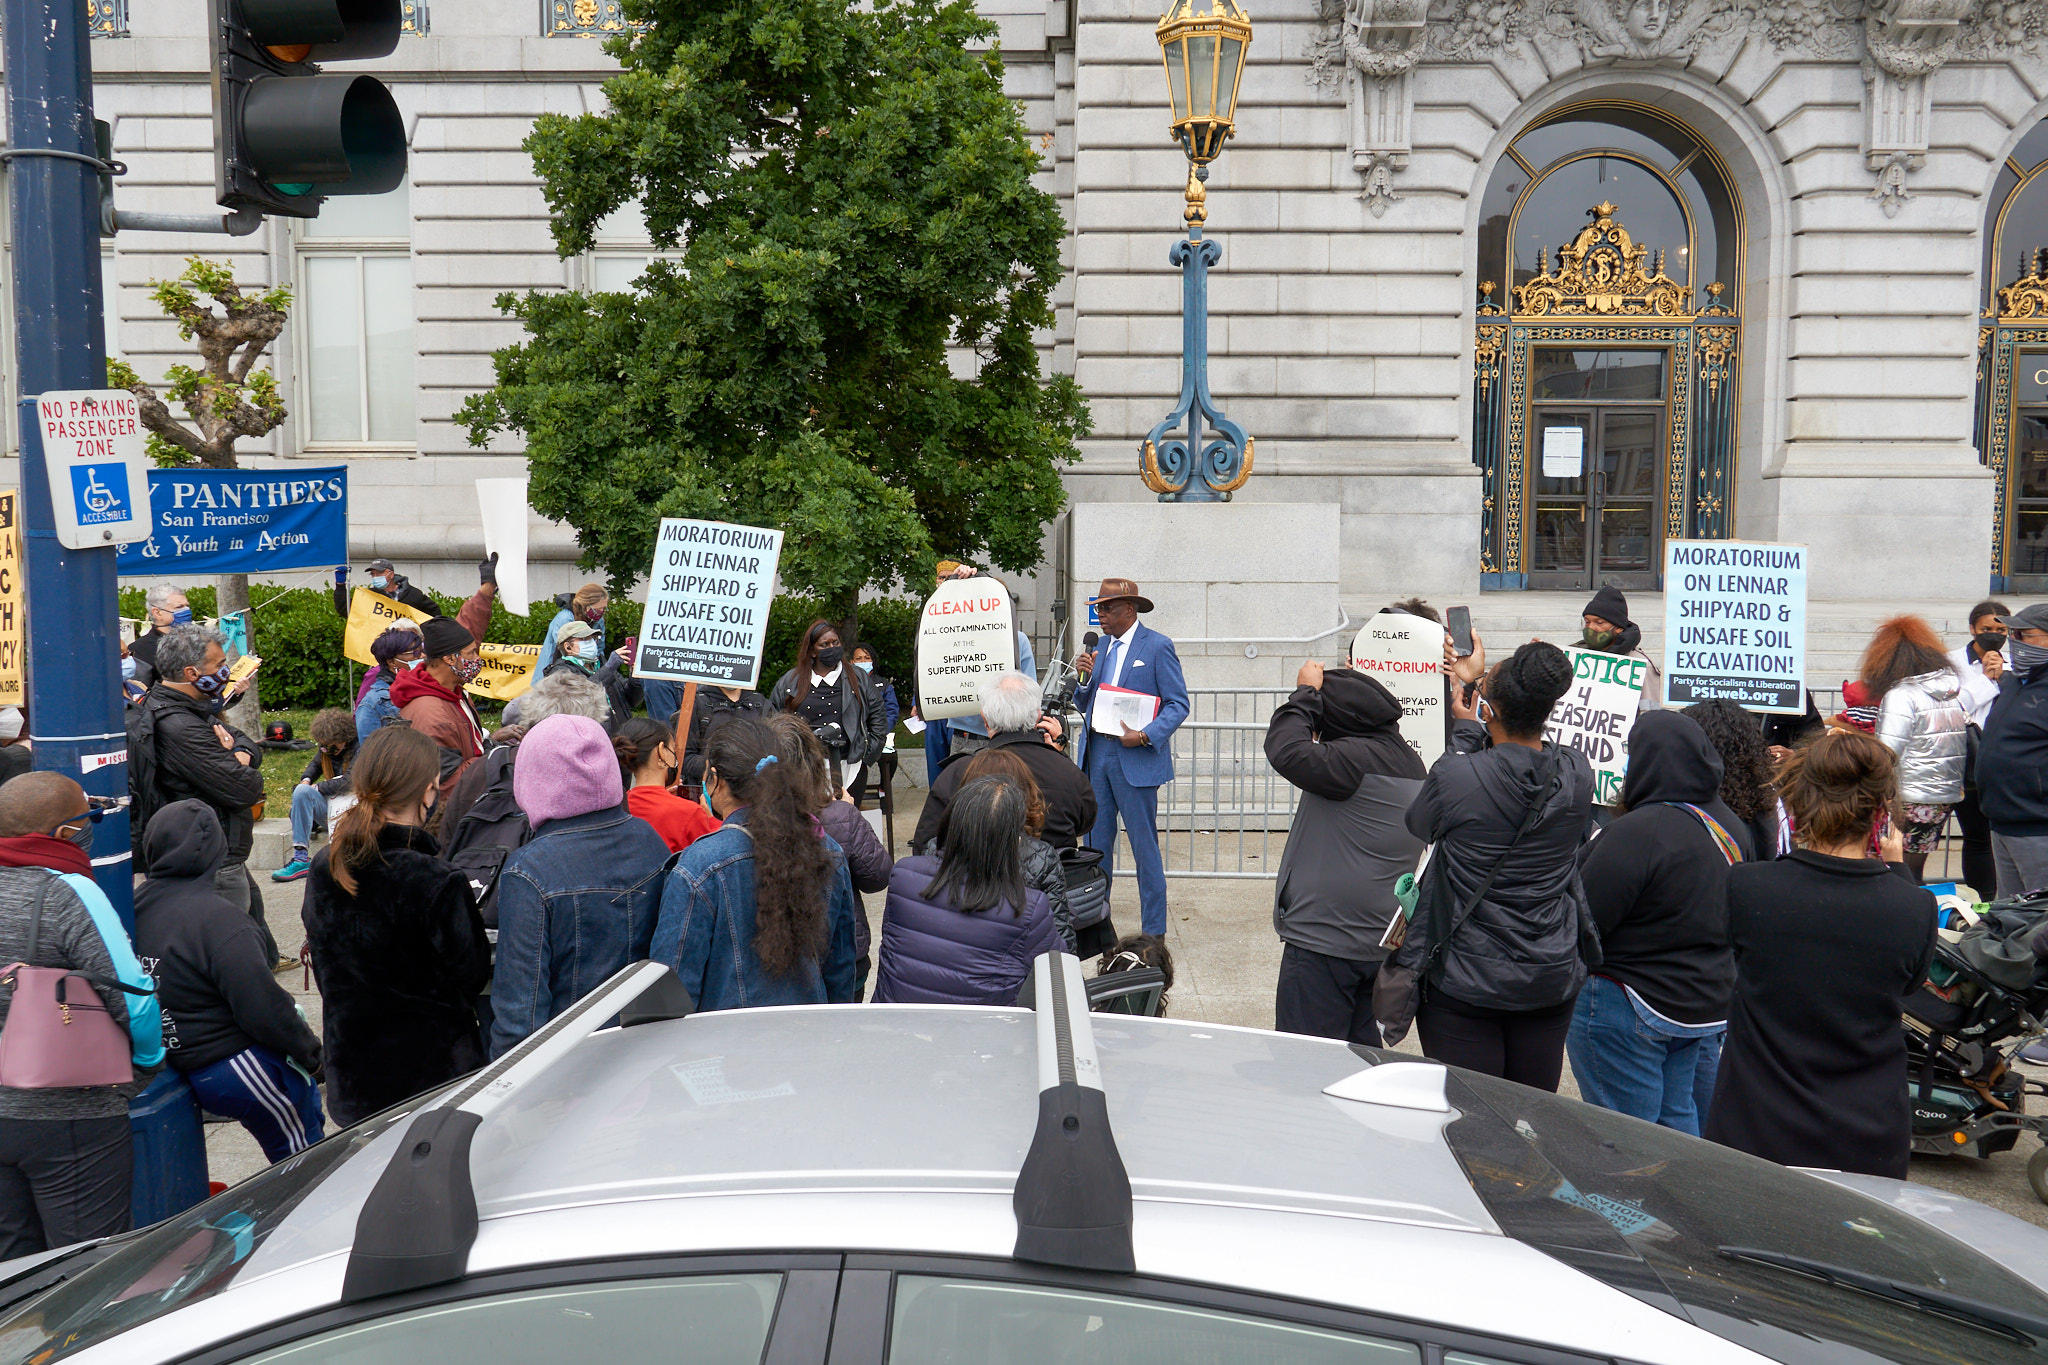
(1127, 776)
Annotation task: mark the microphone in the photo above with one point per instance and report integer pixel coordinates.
(1089, 640)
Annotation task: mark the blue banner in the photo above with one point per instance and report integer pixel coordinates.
(214, 521)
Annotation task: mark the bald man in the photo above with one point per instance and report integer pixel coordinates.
(65, 1159)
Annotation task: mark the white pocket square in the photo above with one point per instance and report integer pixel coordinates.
(1137, 663)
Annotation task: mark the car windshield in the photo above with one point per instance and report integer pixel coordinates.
(1650, 1211)
(180, 1261)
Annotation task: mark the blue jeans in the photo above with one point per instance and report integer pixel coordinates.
(1139, 807)
(309, 808)
(938, 742)
(1640, 1065)
(262, 1092)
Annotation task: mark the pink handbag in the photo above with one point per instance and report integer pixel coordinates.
(58, 1031)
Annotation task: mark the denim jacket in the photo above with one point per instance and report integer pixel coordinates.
(375, 710)
(575, 903)
(706, 931)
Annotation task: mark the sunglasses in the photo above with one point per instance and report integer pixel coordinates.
(92, 817)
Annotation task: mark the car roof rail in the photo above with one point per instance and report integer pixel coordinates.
(1073, 1197)
(418, 1224)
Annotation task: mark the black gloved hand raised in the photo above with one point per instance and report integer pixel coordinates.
(487, 571)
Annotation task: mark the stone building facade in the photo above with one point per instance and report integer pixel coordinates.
(1523, 287)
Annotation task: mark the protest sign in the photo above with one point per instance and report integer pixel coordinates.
(508, 669)
(1594, 716)
(707, 602)
(965, 634)
(215, 521)
(11, 607)
(503, 504)
(1735, 624)
(94, 456)
(1405, 655)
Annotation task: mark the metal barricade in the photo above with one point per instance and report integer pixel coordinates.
(1226, 813)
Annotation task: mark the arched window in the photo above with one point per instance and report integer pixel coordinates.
(2012, 366)
(1609, 275)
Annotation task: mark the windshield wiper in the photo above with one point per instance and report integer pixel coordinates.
(2029, 1328)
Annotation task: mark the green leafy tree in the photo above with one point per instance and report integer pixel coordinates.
(847, 193)
(226, 397)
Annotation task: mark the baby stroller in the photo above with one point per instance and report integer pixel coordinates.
(1985, 996)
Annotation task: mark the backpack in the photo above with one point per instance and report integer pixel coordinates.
(488, 833)
(144, 800)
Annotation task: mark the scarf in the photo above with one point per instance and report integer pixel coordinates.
(44, 850)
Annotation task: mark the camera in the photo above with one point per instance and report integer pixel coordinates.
(833, 736)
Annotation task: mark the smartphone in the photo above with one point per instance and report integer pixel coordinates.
(631, 649)
(1458, 620)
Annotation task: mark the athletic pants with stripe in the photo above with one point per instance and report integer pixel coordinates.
(260, 1090)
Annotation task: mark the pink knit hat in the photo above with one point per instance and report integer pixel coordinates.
(566, 766)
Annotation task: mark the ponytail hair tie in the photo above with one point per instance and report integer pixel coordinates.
(764, 763)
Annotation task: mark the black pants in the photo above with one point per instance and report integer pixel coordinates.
(1980, 870)
(62, 1181)
(1325, 997)
(1527, 1048)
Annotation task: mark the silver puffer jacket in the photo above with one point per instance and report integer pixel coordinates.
(1922, 722)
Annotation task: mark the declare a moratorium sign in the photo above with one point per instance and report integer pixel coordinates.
(1735, 624)
(707, 602)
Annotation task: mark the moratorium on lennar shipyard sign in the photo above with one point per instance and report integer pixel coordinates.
(1735, 624)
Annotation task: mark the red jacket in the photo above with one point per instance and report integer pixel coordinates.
(443, 715)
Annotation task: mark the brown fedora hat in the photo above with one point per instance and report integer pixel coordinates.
(1122, 590)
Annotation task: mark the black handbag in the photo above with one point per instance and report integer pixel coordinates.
(1397, 990)
(1087, 886)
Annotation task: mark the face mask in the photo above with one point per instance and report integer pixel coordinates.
(2026, 658)
(584, 649)
(828, 659)
(181, 616)
(594, 615)
(127, 667)
(466, 669)
(865, 666)
(80, 837)
(414, 663)
(670, 770)
(380, 581)
(1989, 641)
(210, 684)
(704, 792)
(1598, 639)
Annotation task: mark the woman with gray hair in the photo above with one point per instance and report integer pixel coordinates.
(1011, 705)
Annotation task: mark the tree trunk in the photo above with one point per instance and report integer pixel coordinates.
(232, 596)
(844, 608)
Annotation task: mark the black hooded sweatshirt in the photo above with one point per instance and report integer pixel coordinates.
(1658, 881)
(1341, 744)
(211, 965)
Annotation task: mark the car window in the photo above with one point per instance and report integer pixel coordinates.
(944, 1321)
(182, 1260)
(1654, 1213)
(697, 1320)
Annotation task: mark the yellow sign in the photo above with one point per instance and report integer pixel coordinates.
(508, 669)
(11, 690)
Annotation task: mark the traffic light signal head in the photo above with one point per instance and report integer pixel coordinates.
(286, 134)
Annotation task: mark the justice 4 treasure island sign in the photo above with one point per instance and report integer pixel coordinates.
(707, 605)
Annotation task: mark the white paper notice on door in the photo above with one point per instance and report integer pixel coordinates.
(1564, 452)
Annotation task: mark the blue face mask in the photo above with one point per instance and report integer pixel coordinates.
(181, 616)
(127, 667)
(864, 665)
(380, 581)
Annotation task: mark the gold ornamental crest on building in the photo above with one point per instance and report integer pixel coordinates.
(1602, 274)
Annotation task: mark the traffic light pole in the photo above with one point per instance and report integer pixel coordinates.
(74, 691)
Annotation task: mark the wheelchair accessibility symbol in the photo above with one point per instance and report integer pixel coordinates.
(101, 493)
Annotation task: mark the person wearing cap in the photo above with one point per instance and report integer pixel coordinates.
(430, 698)
(1604, 626)
(16, 757)
(588, 605)
(2013, 755)
(579, 899)
(1128, 766)
(386, 579)
(579, 643)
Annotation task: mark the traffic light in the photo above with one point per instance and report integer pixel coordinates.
(285, 134)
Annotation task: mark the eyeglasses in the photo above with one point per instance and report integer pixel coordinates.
(92, 817)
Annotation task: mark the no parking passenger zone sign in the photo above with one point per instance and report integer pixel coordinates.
(99, 474)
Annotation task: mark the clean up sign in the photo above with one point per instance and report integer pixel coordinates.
(1735, 624)
(707, 602)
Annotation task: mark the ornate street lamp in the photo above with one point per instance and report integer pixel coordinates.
(1204, 58)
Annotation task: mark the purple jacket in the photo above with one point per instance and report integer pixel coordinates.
(935, 955)
(866, 860)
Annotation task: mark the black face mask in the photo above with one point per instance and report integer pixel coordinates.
(828, 658)
(1989, 642)
(80, 837)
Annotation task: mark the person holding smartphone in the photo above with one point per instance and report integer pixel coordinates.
(1827, 941)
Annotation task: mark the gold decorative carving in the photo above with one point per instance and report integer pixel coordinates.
(1602, 273)
(1148, 470)
(1487, 307)
(1242, 474)
(2027, 296)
